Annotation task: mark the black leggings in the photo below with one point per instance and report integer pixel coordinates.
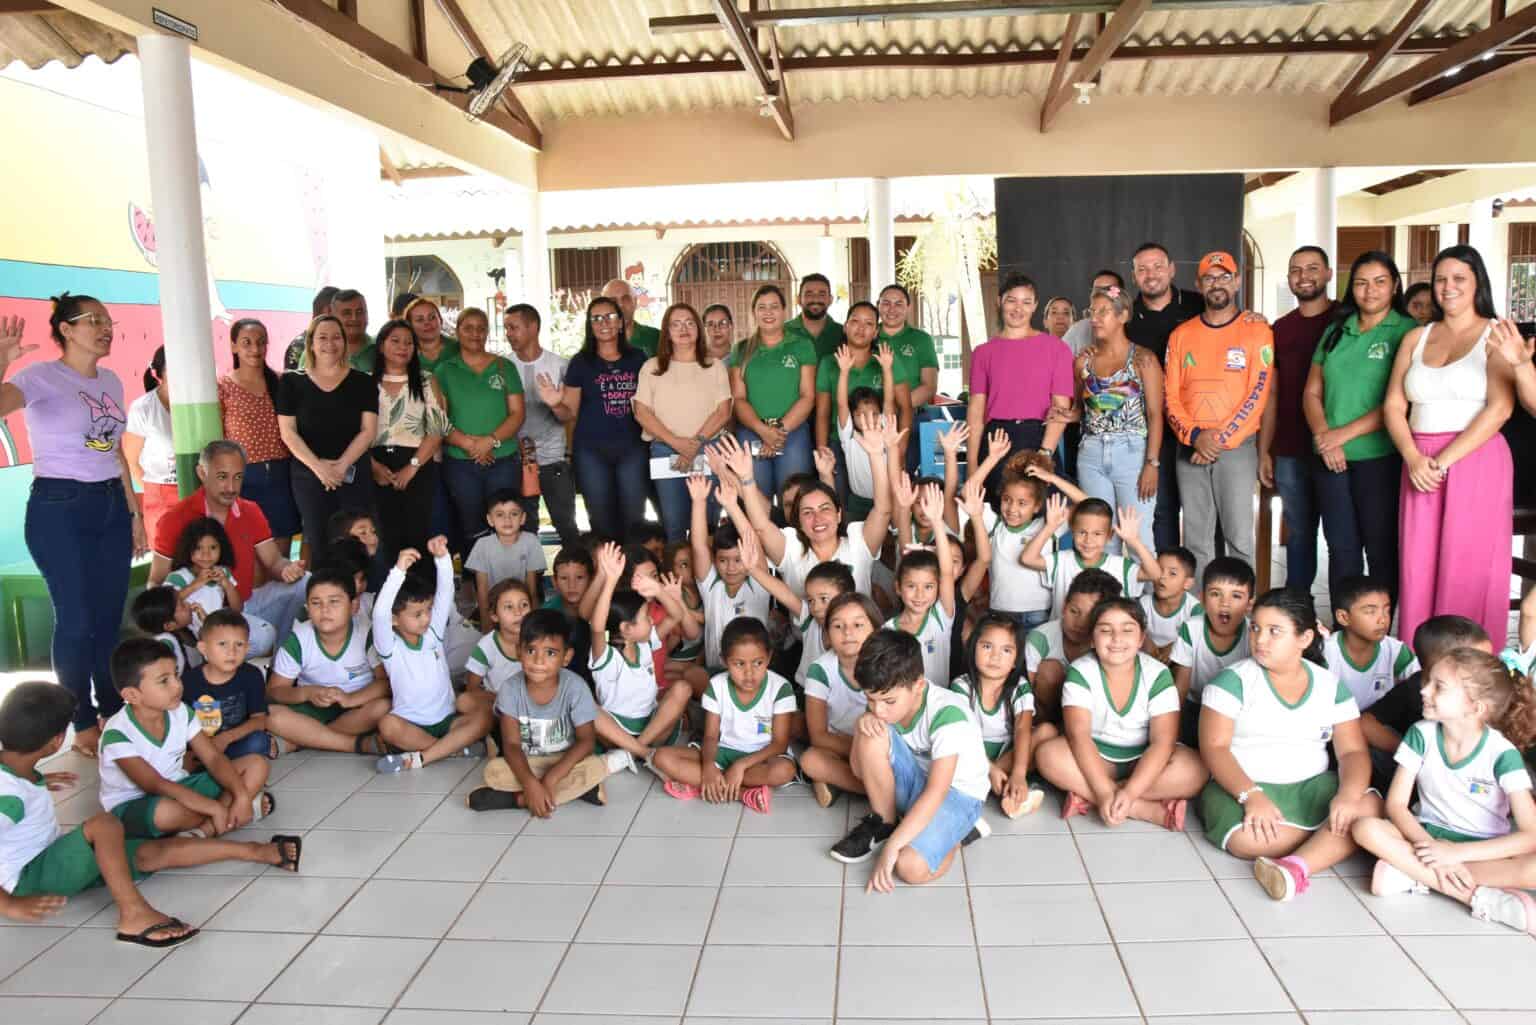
(1026, 436)
(405, 517)
(317, 505)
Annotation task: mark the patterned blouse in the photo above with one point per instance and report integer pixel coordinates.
(251, 420)
(1114, 404)
(406, 422)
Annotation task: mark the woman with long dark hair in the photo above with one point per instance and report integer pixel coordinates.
(1357, 470)
(246, 397)
(1449, 394)
(773, 382)
(148, 447)
(412, 422)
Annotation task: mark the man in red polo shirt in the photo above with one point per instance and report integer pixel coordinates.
(221, 468)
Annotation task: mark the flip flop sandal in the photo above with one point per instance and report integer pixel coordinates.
(758, 799)
(286, 842)
(1028, 806)
(1074, 806)
(142, 939)
(370, 744)
(680, 790)
(1173, 815)
(262, 805)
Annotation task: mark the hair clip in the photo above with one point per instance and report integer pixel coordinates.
(1511, 660)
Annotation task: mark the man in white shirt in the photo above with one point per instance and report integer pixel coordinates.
(542, 436)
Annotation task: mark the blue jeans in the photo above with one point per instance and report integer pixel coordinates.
(615, 479)
(954, 818)
(1027, 620)
(270, 485)
(672, 495)
(1359, 511)
(1296, 486)
(1109, 467)
(470, 484)
(794, 458)
(81, 538)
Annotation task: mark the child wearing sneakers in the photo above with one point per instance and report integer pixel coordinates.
(1004, 708)
(495, 658)
(1050, 648)
(748, 712)
(1464, 759)
(545, 714)
(41, 866)
(1093, 524)
(1217, 639)
(833, 701)
(425, 723)
(1120, 753)
(624, 641)
(1170, 604)
(144, 780)
(1360, 652)
(919, 755)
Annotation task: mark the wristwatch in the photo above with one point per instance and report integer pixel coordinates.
(495, 442)
(1154, 463)
(416, 462)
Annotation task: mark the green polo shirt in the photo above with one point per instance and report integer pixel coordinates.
(773, 376)
(365, 357)
(644, 337)
(1355, 373)
(914, 351)
(477, 403)
(867, 376)
(449, 350)
(826, 343)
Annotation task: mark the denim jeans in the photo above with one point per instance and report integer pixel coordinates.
(317, 505)
(1295, 485)
(672, 495)
(615, 480)
(795, 457)
(470, 485)
(1109, 467)
(1359, 512)
(557, 486)
(277, 603)
(270, 485)
(1165, 520)
(81, 538)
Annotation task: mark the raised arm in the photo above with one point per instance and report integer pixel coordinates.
(730, 458)
(752, 559)
(442, 597)
(1074, 493)
(383, 605)
(1056, 512)
(932, 500)
(610, 566)
(974, 497)
(698, 526)
(878, 522)
(949, 443)
(11, 350)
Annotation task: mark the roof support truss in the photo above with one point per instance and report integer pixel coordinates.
(1386, 48)
(771, 90)
(471, 40)
(1116, 32)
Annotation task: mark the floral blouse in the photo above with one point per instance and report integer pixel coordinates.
(405, 421)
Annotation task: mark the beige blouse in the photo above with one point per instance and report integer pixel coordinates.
(405, 421)
(685, 396)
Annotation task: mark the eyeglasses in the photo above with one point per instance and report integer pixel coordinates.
(604, 318)
(1224, 278)
(93, 319)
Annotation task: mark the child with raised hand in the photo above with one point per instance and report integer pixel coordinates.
(998, 447)
(1004, 708)
(1361, 652)
(833, 701)
(507, 552)
(497, 656)
(748, 714)
(858, 410)
(1170, 604)
(171, 620)
(228, 694)
(425, 723)
(142, 756)
(925, 582)
(1214, 641)
(674, 626)
(728, 589)
(630, 718)
(1049, 649)
(1265, 727)
(1120, 753)
(1464, 758)
(41, 866)
(678, 561)
(1093, 524)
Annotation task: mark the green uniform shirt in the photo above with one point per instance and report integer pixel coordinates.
(914, 351)
(365, 357)
(1355, 373)
(867, 376)
(644, 337)
(477, 403)
(449, 350)
(773, 376)
(826, 343)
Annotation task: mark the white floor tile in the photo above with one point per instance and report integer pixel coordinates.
(1023, 860)
(453, 816)
(50, 1010)
(649, 914)
(1421, 914)
(1202, 976)
(465, 859)
(1356, 972)
(298, 810)
(129, 1011)
(349, 970)
(1328, 908)
(18, 944)
(438, 778)
(285, 903)
(1154, 912)
(339, 773)
(1389, 1018)
(661, 815)
(193, 899)
(479, 976)
(401, 907)
(59, 971)
(777, 915)
(1045, 821)
(746, 981)
(220, 966)
(1141, 857)
(600, 978)
(390, 812)
(524, 911)
(1016, 916)
(1483, 972)
(411, 1016)
(915, 982)
(787, 861)
(344, 853)
(670, 861)
(1059, 981)
(887, 919)
(298, 1014)
(556, 859)
(798, 818)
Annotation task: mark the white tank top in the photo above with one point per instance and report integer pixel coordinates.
(1443, 400)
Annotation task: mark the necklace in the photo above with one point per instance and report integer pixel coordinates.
(395, 378)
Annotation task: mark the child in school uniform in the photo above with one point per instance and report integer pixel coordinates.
(1170, 603)
(728, 589)
(678, 559)
(748, 712)
(1093, 523)
(1119, 752)
(919, 755)
(203, 575)
(508, 551)
(496, 657)
(228, 694)
(141, 756)
(425, 722)
(1464, 760)
(833, 700)
(1212, 642)
(169, 619)
(1049, 649)
(676, 626)
(1004, 709)
(859, 409)
(1388, 721)
(41, 866)
(544, 714)
(925, 584)
(573, 572)
(1361, 652)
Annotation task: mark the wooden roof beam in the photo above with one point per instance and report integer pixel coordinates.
(1116, 32)
(1064, 51)
(1490, 41)
(775, 98)
(472, 42)
(1455, 83)
(387, 168)
(1386, 48)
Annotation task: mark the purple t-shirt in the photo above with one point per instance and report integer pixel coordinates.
(75, 423)
(1019, 375)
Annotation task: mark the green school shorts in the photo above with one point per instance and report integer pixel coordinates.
(323, 714)
(1303, 805)
(68, 866)
(138, 815)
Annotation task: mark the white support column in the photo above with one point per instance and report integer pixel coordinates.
(534, 257)
(170, 136)
(1450, 233)
(1491, 239)
(1317, 216)
(827, 263)
(882, 237)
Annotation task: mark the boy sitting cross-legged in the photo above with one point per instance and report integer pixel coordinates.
(545, 713)
(40, 868)
(425, 723)
(920, 758)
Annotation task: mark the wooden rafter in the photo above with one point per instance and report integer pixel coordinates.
(1444, 85)
(774, 96)
(1064, 55)
(1386, 48)
(418, 29)
(472, 42)
(387, 168)
(1116, 32)
(1491, 40)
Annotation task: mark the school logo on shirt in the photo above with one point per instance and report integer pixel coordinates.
(1267, 356)
(1380, 683)
(1376, 350)
(765, 726)
(1325, 734)
(1237, 359)
(932, 647)
(790, 363)
(1189, 359)
(1480, 787)
(496, 382)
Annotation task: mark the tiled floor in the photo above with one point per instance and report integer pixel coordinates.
(412, 910)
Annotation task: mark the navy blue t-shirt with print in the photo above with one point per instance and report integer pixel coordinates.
(607, 389)
(229, 704)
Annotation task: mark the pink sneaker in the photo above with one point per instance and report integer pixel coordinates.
(680, 790)
(1074, 806)
(758, 799)
(1282, 878)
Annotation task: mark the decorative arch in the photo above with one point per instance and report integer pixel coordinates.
(429, 277)
(728, 273)
(1253, 273)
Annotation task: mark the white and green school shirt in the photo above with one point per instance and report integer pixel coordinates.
(1275, 741)
(996, 723)
(1121, 732)
(1391, 662)
(28, 823)
(627, 690)
(720, 608)
(798, 560)
(826, 681)
(1016, 588)
(748, 728)
(1164, 630)
(1044, 643)
(421, 687)
(122, 737)
(932, 635)
(303, 659)
(1195, 649)
(209, 597)
(1471, 797)
(1523, 659)
(813, 643)
(1062, 566)
(490, 661)
(942, 726)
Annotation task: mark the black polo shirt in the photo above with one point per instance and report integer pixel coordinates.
(1151, 328)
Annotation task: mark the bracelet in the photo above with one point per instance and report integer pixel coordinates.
(1242, 798)
(744, 481)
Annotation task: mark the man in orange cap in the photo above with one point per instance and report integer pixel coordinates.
(1218, 375)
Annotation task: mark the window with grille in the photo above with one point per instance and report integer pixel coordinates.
(729, 273)
(1522, 272)
(579, 274)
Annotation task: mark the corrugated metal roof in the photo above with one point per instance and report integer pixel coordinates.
(36, 39)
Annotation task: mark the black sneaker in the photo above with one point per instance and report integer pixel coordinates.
(598, 795)
(489, 799)
(978, 831)
(860, 844)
